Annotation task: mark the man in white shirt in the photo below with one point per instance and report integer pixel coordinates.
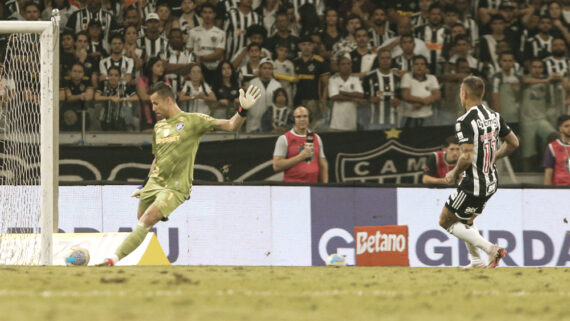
(267, 85)
(404, 28)
(207, 42)
(346, 92)
(419, 91)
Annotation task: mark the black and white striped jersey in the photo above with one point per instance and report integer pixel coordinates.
(434, 40)
(376, 39)
(125, 64)
(79, 20)
(235, 27)
(536, 47)
(402, 63)
(553, 65)
(318, 4)
(177, 57)
(223, 8)
(385, 86)
(418, 20)
(481, 127)
(153, 48)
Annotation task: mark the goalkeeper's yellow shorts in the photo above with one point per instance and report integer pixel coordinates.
(166, 200)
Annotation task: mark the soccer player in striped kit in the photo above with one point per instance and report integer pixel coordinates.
(478, 132)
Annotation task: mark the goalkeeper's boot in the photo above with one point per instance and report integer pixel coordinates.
(496, 254)
(107, 262)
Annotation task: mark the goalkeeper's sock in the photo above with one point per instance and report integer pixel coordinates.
(132, 241)
(470, 235)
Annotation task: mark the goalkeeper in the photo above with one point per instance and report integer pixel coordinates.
(174, 144)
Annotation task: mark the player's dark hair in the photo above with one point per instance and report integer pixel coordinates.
(163, 90)
(359, 29)
(384, 49)
(474, 86)
(451, 140)
(562, 119)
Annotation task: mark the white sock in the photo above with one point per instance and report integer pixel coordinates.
(470, 235)
(473, 250)
(115, 258)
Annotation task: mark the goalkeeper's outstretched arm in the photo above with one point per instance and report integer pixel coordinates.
(246, 100)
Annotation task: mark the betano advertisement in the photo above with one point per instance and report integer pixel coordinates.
(302, 225)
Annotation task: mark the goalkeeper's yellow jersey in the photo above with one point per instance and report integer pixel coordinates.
(174, 145)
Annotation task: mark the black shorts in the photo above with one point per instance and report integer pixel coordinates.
(465, 205)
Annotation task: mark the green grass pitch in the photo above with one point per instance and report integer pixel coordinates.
(282, 293)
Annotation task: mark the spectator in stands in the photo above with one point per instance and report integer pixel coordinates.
(540, 46)
(132, 17)
(313, 74)
(132, 50)
(556, 159)
(90, 65)
(419, 91)
(268, 9)
(421, 17)
(403, 63)
(67, 52)
(250, 70)
(116, 58)
(153, 73)
(278, 117)
(346, 93)
(196, 95)
(560, 26)
(283, 34)
(361, 8)
(331, 32)
(488, 43)
(152, 43)
(189, 18)
(488, 69)
(362, 57)
(255, 34)
(301, 161)
(207, 42)
(267, 84)
(167, 22)
(8, 87)
(452, 79)
(78, 94)
(226, 88)
(506, 87)
(433, 35)
(120, 102)
(284, 71)
(348, 43)
(557, 63)
(177, 59)
(238, 20)
(462, 49)
(467, 20)
(380, 30)
(404, 27)
(32, 11)
(96, 49)
(15, 9)
(535, 127)
(441, 162)
(308, 19)
(145, 7)
(382, 87)
(93, 10)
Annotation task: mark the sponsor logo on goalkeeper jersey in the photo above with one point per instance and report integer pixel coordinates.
(382, 245)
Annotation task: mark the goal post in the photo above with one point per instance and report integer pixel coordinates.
(39, 221)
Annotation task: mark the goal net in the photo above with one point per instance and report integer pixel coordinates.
(28, 140)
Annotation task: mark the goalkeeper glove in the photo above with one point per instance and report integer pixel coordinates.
(248, 99)
(137, 192)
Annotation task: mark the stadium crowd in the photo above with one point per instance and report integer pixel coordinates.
(355, 64)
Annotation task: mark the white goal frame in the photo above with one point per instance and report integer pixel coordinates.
(49, 127)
